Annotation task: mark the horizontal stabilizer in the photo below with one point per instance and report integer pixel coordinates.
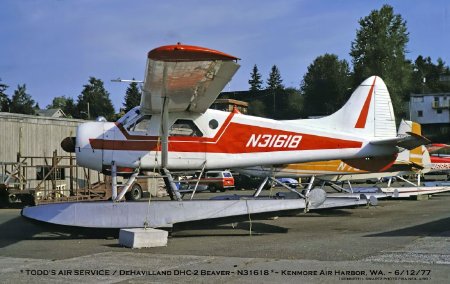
(417, 166)
(407, 142)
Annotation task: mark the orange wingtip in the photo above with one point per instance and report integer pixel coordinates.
(181, 52)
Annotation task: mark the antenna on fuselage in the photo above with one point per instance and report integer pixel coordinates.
(118, 80)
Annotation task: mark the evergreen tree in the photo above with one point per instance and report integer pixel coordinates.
(257, 108)
(274, 87)
(132, 97)
(22, 102)
(4, 100)
(289, 104)
(255, 81)
(94, 101)
(379, 49)
(58, 102)
(326, 85)
(427, 76)
(70, 108)
(66, 104)
(294, 104)
(274, 82)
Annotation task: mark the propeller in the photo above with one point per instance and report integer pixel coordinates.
(68, 144)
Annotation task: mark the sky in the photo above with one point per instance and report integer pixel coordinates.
(54, 46)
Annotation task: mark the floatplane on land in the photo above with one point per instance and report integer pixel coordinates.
(174, 129)
(439, 162)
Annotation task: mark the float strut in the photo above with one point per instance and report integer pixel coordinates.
(261, 186)
(127, 185)
(170, 185)
(114, 180)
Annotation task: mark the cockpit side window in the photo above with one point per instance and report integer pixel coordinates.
(185, 127)
(142, 125)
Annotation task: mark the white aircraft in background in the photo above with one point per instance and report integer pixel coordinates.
(439, 162)
(173, 129)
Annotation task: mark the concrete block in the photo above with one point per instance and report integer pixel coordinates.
(422, 197)
(143, 238)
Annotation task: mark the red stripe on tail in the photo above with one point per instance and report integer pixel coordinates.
(361, 123)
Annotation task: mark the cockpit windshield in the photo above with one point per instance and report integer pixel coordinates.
(129, 115)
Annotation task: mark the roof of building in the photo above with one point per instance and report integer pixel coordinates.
(231, 101)
(431, 95)
(51, 112)
(19, 116)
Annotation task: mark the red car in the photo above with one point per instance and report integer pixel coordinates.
(216, 180)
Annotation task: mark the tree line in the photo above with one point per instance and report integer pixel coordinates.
(378, 49)
(94, 101)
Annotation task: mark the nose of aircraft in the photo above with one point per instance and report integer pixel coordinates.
(86, 155)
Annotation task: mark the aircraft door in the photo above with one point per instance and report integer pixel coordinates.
(187, 148)
(109, 135)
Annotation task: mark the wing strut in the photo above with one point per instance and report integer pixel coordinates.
(168, 180)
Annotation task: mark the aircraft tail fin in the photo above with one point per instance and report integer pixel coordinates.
(367, 113)
(418, 155)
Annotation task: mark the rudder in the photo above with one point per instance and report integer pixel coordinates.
(368, 112)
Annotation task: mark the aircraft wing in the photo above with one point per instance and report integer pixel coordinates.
(432, 148)
(409, 142)
(190, 76)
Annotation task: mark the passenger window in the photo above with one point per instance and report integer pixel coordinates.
(185, 127)
(140, 125)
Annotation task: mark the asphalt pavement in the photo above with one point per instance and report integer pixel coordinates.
(396, 241)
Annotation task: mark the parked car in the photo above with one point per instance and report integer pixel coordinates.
(292, 183)
(190, 186)
(215, 180)
(137, 190)
(242, 181)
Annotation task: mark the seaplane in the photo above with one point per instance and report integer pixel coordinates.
(173, 129)
(439, 162)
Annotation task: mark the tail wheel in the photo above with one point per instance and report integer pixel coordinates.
(135, 193)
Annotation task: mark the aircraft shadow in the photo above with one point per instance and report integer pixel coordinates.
(18, 205)
(439, 228)
(20, 229)
(328, 213)
(242, 228)
(242, 225)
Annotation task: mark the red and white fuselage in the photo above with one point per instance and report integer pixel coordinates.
(174, 129)
(238, 141)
